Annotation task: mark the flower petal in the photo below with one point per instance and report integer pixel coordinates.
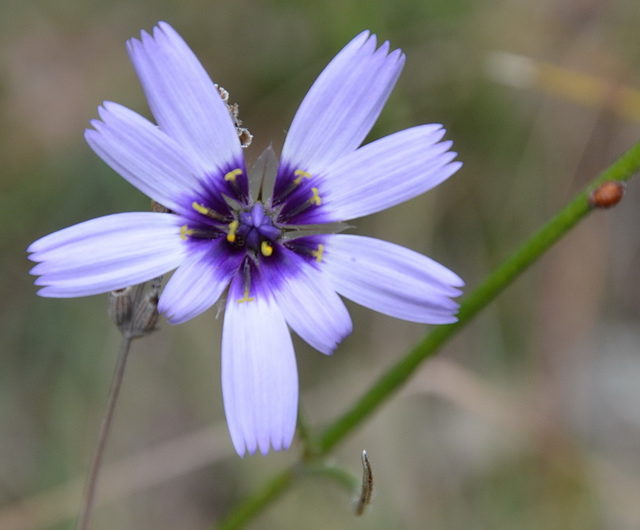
(107, 253)
(198, 283)
(184, 101)
(145, 156)
(309, 304)
(341, 107)
(382, 174)
(259, 375)
(391, 279)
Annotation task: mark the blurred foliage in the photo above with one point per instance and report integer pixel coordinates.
(559, 350)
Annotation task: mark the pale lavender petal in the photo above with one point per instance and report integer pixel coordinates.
(145, 156)
(107, 253)
(382, 174)
(198, 283)
(342, 105)
(184, 101)
(309, 304)
(259, 375)
(391, 279)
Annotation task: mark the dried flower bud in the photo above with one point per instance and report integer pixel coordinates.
(223, 93)
(234, 110)
(145, 315)
(157, 207)
(245, 137)
(135, 309)
(243, 133)
(120, 303)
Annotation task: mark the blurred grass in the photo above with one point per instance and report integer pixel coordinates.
(563, 341)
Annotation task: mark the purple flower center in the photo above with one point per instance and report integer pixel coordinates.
(251, 227)
(255, 229)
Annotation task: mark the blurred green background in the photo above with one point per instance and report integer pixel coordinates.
(529, 419)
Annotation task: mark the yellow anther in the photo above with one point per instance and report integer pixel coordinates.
(266, 249)
(316, 197)
(246, 297)
(231, 176)
(184, 232)
(233, 226)
(301, 175)
(200, 208)
(318, 253)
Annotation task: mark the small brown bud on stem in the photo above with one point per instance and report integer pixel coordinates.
(607, 194)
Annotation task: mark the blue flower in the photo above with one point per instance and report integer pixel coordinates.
(262, 246)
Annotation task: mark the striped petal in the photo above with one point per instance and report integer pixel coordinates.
(309, 304)
(145, 156)
(259, 375)
(107, 253)
(391, 279)
(341, 107)
(381, 174)
(199, 281)
(184, 101)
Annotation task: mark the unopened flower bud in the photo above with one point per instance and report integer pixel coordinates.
(119, 308)
(145, 315)
(135, 309)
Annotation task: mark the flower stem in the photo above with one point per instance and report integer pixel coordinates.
(279, 485)
(621, 170)
(105, 427)
(254, 505)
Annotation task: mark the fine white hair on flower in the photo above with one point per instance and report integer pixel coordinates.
(266, 237)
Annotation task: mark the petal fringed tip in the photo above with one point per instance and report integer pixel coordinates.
(183, 99)
(106, 254)
(342, 105)
(144, 155)
(384, 173)
(391, 279)
(259, 374)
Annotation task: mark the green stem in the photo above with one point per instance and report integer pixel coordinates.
(254, 505)
(341, 476)
(622, 170)
(279, 485)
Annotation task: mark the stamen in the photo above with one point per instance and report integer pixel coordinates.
(201, 208)
(300, 174)
(316, 197)
(266, 249)
(233, 226)
(318, 253)
(314, 200)
(246, 297)
(231, 176)
(293, 184)
(184, 232)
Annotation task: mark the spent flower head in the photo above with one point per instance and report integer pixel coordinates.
(256, 235)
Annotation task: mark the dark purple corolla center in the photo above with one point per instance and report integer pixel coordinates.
(256, 227)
